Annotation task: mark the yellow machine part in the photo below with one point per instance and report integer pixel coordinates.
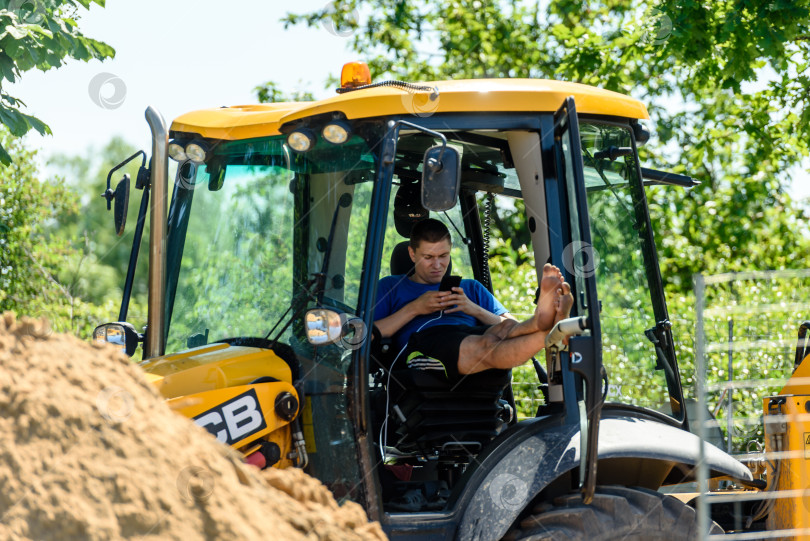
(220, 410)
(237, 121)
(212, 384)
(215, 366)
(493, 95)
(799, 382)
(790, 424)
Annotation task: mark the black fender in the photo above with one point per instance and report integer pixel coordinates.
(633, 451)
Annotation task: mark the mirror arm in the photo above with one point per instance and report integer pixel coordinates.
(108, 194)
(133, 255)
(396, 126)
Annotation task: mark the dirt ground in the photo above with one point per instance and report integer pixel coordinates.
(89, 450)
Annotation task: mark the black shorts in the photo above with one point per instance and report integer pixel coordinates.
(436, 348)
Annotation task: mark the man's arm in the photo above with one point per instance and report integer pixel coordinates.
(427, 303)
(459, 302)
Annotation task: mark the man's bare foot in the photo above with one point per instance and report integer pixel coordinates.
(547, 301)
(564, 302)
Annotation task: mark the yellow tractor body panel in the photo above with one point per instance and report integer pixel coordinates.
(471, 96)
(474, 96)
(792, 508)
(273, 428)
(799, 382)
(214, 366)
(214, 385)
(236, 122)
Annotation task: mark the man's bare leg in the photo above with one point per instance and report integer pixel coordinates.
(545, 312)
(505, 348)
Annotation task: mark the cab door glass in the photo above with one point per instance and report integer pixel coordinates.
(637, 374)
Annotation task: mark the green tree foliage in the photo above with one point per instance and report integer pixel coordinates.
(34, 249)
(60, 257)
(271, 92)
(28, 205)
(738, 135)
(39, 34)
(727, 88)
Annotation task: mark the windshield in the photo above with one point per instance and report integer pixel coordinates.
(637, 372)
(232, 264)
(248, 235)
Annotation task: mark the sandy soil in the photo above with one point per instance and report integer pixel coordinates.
(89, 450)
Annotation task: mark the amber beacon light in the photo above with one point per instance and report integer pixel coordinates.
(355, 74)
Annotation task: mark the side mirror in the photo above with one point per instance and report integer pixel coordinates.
(121, 196)
(323, 326)
(641, 133)
(121, 192)
(119, 333)
(441, 178)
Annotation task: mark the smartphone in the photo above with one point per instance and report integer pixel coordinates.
(449, 282)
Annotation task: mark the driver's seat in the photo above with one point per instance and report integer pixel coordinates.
(430, 417)
(433, 418)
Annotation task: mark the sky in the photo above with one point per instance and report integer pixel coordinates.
(179, 56)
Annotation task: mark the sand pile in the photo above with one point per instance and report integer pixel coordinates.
(88, 450)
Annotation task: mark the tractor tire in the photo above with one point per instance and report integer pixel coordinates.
(616, 512)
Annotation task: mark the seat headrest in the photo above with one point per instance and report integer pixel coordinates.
(401, 260)
(408, 208)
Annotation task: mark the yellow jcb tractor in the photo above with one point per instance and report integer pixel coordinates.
(263, 277)
(786, 505)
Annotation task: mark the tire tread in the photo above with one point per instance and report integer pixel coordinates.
(616, 512)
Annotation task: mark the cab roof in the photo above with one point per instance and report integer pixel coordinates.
(471, 95)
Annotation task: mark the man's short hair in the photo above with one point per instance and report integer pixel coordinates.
(429, 230)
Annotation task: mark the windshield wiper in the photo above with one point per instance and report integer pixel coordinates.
(653, 177)
(295, 300)
(658, 336)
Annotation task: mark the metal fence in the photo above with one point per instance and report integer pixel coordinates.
(736, 344)
(745, 346)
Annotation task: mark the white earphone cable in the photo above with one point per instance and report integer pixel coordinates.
(383, 439)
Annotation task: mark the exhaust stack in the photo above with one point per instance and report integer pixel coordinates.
(155, 339)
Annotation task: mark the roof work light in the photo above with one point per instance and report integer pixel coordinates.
(301, 140)
(336, 132)
(197, 151)
(177, 151)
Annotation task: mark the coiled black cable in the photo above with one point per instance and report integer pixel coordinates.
(489, 203)
(398, 84)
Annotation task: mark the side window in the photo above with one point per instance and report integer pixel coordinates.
(460, 254)
(514, 282)
(511, 260)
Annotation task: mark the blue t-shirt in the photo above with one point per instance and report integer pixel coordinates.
(394, 292)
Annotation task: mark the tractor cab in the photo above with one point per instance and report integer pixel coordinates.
(284, 217)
